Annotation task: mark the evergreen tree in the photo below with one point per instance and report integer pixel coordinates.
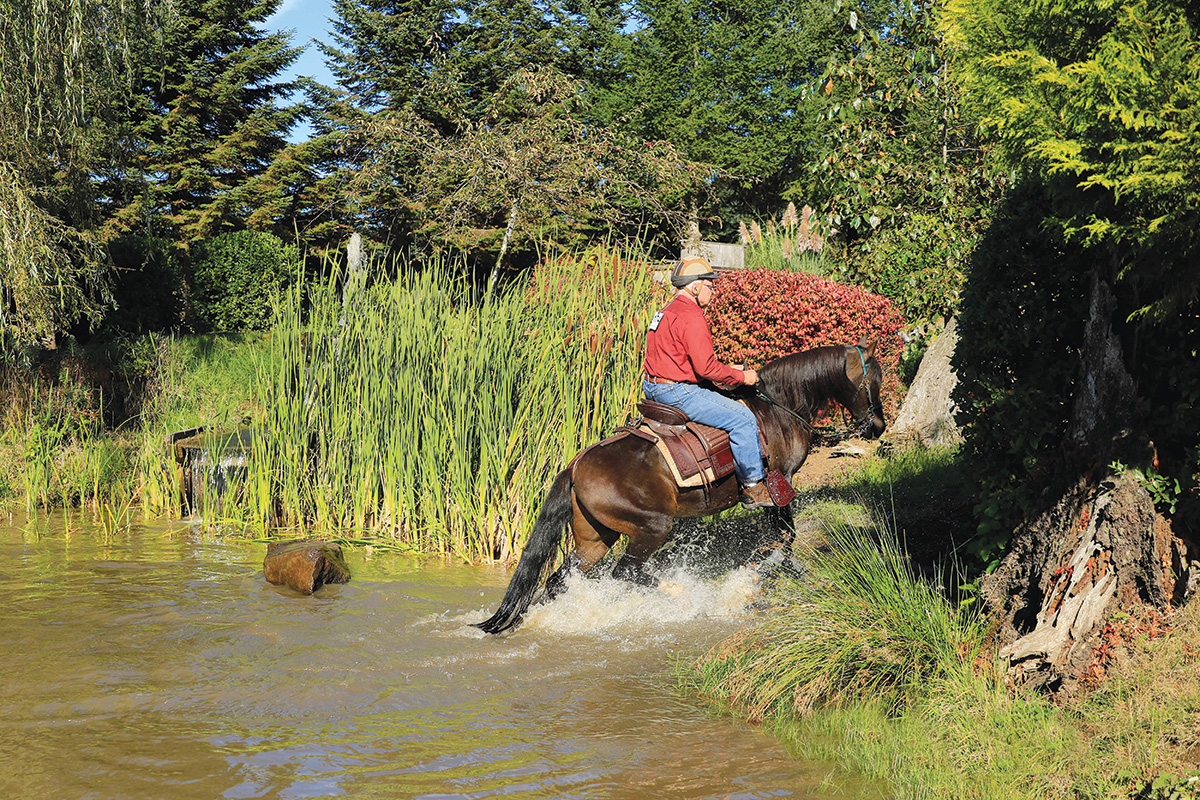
(204, 134)
(725, 81)
(420, 79)
(1096, 107)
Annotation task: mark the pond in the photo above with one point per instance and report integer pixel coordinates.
(157, 663)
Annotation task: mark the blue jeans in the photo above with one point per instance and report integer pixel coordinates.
(711, 408)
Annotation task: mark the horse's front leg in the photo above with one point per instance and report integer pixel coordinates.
(776, 552)
(783, 527)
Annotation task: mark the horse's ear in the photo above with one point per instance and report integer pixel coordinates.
(867, 346)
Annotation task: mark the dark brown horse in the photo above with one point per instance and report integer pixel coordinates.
(626, 487)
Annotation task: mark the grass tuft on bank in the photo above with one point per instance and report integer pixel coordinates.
(857, 623)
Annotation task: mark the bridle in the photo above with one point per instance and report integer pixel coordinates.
(861, 425)
(857, 425)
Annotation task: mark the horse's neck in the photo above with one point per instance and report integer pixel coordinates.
(805, 396)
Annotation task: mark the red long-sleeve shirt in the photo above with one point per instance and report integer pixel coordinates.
(679, 347)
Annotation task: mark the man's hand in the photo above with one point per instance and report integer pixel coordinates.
(749, 377)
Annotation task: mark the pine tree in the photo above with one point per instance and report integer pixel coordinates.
(422, 81)
(725, 82)
(204, 134)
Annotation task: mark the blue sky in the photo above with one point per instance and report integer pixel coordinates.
(309, 19)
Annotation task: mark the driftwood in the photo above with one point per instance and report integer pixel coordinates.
(305, 565)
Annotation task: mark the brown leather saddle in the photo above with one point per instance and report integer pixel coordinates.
(695, 449)
(698, 455)
(700, 451)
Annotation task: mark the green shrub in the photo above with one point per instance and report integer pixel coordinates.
(916, 265)
(148, 287)
(234, 278)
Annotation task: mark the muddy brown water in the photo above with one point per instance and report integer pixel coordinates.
(157, 663)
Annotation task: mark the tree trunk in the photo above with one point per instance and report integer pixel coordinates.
(1101, 547)
(508, 231)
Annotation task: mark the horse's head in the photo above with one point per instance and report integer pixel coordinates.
(863, 394)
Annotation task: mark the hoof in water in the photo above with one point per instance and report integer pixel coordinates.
(671, 588)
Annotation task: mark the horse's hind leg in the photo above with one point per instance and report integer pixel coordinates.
(642, 543)
(556, 584)
(592, 543)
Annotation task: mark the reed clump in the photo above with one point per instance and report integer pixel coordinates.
(859, 623)
(198, 381)
(433, 413)
(54, 450)
(792, 243)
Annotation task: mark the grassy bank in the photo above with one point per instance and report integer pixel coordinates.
(866, 664)
(87, 428)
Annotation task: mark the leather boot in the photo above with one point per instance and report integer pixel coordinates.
(756, 496)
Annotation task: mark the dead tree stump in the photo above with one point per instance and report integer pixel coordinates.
(1098, 550)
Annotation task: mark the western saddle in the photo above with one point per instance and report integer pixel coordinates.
(698, 455)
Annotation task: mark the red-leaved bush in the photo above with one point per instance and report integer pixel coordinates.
(760, 315)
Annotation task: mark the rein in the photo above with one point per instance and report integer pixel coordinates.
(805, 423)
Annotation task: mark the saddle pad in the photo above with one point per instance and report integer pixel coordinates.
(696, 454)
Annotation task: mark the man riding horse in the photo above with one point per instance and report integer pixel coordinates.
(623, 486)
(679, 354)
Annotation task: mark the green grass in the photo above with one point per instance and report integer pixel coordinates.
(55, 450)
(858, 623)
(971, 737)
(866, 663)
(921, 494)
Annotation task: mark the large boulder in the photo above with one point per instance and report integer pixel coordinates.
(927, 414)
(305, 565)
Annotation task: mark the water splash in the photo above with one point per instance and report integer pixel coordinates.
(605, 605)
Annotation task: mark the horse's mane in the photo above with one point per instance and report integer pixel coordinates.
(806, 379)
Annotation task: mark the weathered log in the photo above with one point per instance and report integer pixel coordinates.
(305, 565)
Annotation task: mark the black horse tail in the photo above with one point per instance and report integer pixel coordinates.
(547, 533)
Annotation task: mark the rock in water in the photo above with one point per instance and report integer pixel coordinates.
(305, 565)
